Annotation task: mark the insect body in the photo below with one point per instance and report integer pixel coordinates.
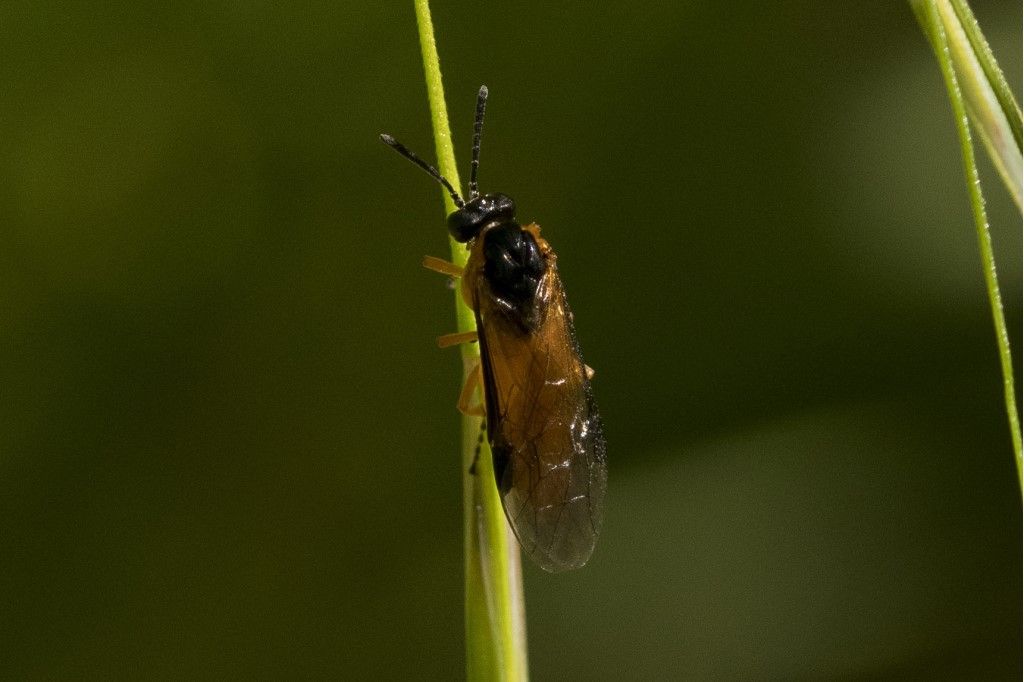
(543, 426)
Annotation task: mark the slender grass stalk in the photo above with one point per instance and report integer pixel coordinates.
(930, 15)
(988, 63)
(494, 612)
(990, 102)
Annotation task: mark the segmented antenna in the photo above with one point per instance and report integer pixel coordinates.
(478, 129)
(434, 173)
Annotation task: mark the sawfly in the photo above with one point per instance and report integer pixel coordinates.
(543, 426)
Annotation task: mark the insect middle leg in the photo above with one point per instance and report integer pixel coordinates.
(455, 338)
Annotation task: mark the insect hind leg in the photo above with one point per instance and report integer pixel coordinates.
(473, 380)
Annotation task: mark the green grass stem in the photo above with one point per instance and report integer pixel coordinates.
(494, 612)
(989, 101)
(933, 16)
(987, 62)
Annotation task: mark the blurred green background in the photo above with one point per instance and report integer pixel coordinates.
(228, 445)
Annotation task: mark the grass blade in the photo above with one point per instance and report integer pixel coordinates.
(495, 619)
(990, 103)
(990, 66)
(929, 15)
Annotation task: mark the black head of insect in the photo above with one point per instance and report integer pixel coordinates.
(482, 210)
(479, 212)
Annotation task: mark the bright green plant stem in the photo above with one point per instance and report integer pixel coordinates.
(987, 62)
(990, 103)
(495, 621)
(931, 18)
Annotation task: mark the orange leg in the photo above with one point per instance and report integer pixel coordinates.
(475, 377)
(456, 338)
(442, 266)
(473, 380)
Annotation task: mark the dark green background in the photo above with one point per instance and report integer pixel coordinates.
(228, 446)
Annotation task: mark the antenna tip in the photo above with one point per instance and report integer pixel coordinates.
(483, 91)
(387, 139)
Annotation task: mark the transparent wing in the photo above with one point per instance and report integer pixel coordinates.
(545, 431)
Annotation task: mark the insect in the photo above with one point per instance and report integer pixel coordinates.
(542, 423)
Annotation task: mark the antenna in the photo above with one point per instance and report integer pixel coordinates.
(404, 151)
(478, 129)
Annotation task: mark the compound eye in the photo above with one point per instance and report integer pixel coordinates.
(464, 224)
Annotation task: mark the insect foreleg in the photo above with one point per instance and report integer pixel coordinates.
(442, 266)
